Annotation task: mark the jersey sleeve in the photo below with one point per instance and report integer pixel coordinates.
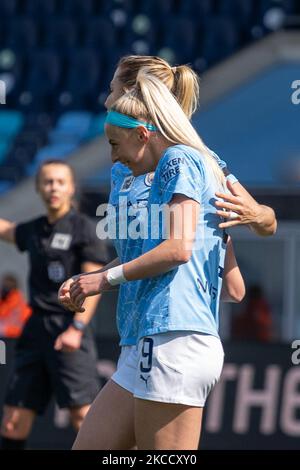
(22, 235)
(223, 165)
(180, 173)
(91, 248)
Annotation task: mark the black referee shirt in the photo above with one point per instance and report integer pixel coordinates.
(56, 252)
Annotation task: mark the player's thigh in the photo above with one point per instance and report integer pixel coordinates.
(166, 425)
(77, 415)
(109, 423)
(17, 422)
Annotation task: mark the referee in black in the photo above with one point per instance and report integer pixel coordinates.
(56, 353)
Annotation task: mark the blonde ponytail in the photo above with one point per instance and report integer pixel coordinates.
(151, 100)
(186, 89)
(182, 81)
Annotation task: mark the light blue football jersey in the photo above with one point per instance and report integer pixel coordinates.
(129, 197)
(133, 192)
(187, 297)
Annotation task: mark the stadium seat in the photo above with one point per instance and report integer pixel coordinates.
(40, 8)
(44, 72)
(106, 7)
(50, 151)
(100, 35)
(8, 8)
(4, 185)
(77, 8)
(221, 39)
(21, 34)
(4, 147)
(241, 9)
(288, 6)
(60, 34)
(198, 9)
(179, 34)
(71, 127)
(83, 72)
(156, 8)
(10, 124)
(97, 126)
(141, 30)
(10, 172)
(12, 71)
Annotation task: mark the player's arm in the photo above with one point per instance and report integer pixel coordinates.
(70, 339)
(260, 219)
(233, 287)
(64, 290)
(174, 251)
(169, 254)
(7, 231)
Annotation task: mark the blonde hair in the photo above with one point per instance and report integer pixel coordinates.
(150, 100)
(182, 81)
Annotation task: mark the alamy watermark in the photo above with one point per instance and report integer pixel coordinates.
(295, 97)
(2, 353)
(2, 92)
(149, 221)
(296, 354)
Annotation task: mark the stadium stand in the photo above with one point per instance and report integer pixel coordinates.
(57, 57)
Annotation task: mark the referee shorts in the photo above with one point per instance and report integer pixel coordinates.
(41, 372)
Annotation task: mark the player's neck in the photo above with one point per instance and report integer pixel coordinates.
(55, 214)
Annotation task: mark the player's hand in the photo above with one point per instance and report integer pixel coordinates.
(69, 340)
(88, 285)
(64, 296)
(239, 209)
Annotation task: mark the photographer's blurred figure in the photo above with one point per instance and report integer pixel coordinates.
(255, 320)
(14, 311)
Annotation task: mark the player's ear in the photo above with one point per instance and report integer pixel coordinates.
(143, 134)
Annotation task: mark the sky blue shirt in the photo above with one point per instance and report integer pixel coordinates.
(187, 297)
(134, 191)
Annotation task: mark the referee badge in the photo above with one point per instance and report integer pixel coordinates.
(56, 271)
(61, 241)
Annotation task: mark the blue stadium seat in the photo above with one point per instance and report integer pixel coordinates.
(100, 34)
(12, 71)
(60, 34)
(4, 185)
(77, 8)
(97, 126)
(40, 88)
(8, 8)
(196, 9)
(25, 147)
(287, 5)
(106, 7)
(40, 8)
(221, 39)
(71, 127)
(21, 157)
(140, 35)
(156, 8)
(180, 35)
(21, 34)
(10, 124)
(50, 151)
(9, 171)
(241, 9)
(84, 68)
(4, 147)
(44, 72)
